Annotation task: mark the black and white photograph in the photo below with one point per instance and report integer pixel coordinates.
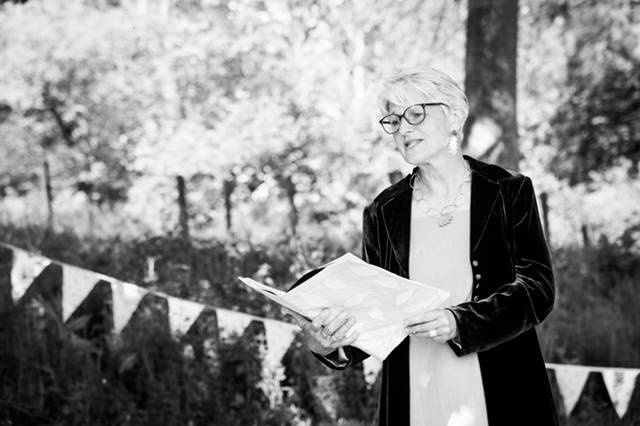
(319, 212)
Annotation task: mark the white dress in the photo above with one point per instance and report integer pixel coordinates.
(446, 390)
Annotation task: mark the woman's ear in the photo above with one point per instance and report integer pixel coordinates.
(455, 118)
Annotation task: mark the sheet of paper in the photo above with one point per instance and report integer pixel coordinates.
(273, 294)
(379, 300)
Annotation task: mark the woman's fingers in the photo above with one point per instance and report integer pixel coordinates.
(320, 319)
(345, 330)
(349, 338)
(423, 317)
(329, 330)
(329, 320)
(335, 323)
(434, 325)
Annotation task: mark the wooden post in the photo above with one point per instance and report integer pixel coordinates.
(184, 214)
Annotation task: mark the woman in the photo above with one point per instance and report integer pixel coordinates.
(473, 229)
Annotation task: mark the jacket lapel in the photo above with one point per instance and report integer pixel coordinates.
(396, 213)
(484, 194)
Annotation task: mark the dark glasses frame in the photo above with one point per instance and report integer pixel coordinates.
(400, 117)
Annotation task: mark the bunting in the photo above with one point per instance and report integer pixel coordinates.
(125, 299)
(77, 283)
(620, 383)
(25, 269)
(279, 337)
(182, 314)
(232, 323)
(571, 380)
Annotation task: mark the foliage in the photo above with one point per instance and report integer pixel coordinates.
(597, 124)
(597, 301)
(122, 101)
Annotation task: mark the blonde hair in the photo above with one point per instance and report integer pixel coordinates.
(435, 85)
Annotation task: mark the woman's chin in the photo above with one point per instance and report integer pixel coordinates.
(416, 159)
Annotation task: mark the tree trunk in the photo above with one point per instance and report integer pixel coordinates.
(228, 186)
(46, 176)
(290, 191)
(491, 131)
(6, 302)
(184, 214)
(586, 238)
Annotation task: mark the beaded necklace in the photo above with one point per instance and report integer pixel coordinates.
(444, 215)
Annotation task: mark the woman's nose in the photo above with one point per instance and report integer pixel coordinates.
(404, 126)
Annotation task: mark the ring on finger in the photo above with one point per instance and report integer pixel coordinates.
(433, 333)
(325, 334)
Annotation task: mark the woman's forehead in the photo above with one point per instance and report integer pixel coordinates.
(401, 96)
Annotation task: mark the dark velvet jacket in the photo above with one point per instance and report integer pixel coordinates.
(513, 290)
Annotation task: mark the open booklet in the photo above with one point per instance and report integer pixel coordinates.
(378, 299)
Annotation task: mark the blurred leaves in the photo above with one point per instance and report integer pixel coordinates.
(123, 97)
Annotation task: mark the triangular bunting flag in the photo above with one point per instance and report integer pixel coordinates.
(125, 299)
(371, 367)
(620, 384)
(571, 380)
(279, 337)
(232, 322)
(182, 314)
(26, 268)
(77, 283)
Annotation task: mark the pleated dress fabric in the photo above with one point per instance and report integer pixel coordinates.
(446, 390)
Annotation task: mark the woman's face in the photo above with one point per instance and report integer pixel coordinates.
(426, 141)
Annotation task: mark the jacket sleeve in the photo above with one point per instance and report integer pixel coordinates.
(517, 306)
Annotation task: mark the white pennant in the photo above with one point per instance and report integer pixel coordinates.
(279, 336)
(182, 314)
(571, 380)
(232, 322)
(26, 268)
(620, 384)
(125, 300)
(77, 283)
(371, 367)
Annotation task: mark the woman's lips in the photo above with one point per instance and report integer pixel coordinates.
(411, 143)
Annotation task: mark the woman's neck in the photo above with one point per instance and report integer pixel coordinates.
(444, 175)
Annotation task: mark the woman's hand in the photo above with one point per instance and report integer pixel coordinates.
(330, 329)
(439, 325)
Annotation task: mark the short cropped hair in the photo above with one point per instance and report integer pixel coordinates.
(435, 85)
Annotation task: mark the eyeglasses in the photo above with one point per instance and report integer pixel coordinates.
(415, 114)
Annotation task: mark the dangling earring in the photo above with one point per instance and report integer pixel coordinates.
(453, 145)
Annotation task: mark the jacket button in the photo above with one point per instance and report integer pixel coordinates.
(478, 276)
(475, 298)
(477, 286)
(474, 263)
